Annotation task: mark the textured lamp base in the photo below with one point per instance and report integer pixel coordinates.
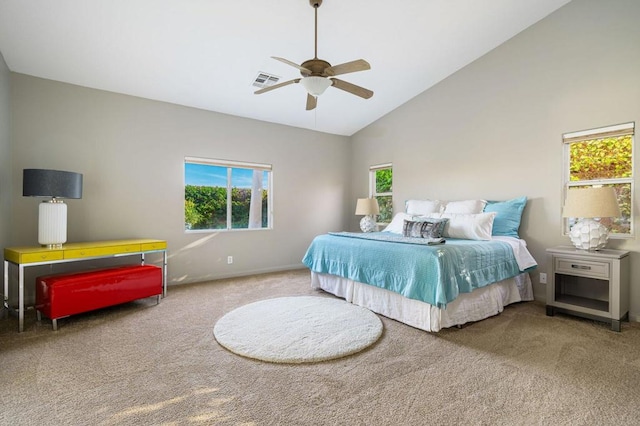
(589, 234)
(368, 224)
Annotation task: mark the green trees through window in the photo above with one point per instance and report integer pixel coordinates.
(381, 183)
(221, 195)
(608, 158)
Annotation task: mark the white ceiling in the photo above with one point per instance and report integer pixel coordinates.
(206, 53)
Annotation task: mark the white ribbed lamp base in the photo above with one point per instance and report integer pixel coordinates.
(52, 223)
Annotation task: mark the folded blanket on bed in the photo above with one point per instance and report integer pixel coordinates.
(432, 274)
(387, 236)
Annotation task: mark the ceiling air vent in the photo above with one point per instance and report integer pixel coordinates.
(265, 80)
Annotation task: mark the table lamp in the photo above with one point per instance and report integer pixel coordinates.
(368, 207)
(589, 205)
(52, 214)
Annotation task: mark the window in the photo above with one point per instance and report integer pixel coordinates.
(225, 195)
(603, 157)
(381, 188)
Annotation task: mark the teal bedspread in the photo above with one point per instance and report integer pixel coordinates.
(435, 274)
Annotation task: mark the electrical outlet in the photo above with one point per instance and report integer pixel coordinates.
(543, 278)
(229, 260)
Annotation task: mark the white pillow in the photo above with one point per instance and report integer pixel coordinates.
(465, 207)
(397, 224)
(468, 226)
(423, 207)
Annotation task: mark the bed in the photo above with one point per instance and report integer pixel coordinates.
(432, 267)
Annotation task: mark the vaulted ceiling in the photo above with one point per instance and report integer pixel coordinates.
(207, 53)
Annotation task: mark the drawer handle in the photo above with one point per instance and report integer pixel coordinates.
(585, 267)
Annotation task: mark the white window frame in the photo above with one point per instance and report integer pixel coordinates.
(594, 134)
(372, 183)
(230, 164)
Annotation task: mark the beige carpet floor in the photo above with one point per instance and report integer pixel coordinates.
(142, 364)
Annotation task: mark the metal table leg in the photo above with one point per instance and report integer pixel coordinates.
(5, 292)
(20, 298)
(164, 273)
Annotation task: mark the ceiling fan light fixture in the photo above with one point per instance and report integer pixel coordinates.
(315, 85)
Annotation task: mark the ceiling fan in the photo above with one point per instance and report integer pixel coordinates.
(317, 74)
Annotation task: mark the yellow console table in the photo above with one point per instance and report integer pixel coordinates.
(24, 257)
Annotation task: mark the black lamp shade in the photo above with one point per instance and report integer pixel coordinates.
(51, 183)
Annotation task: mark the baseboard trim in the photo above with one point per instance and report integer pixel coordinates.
(239, 274)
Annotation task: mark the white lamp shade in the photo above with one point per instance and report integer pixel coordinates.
(52, 223)
(591, 202)
(367, 206)
(316, 85)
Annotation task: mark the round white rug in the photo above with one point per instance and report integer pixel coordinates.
(298, 329)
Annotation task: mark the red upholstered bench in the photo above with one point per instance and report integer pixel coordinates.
(59, 296)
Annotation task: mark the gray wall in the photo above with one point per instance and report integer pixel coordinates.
(131, 152)
(5, 156)
(493, 129)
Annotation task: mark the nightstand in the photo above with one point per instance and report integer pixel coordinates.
(590, 284)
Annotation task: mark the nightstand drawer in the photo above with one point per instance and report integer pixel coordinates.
(582, 267)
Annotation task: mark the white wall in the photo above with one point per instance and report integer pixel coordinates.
(493, 129)
(5, 156)
(131, 152)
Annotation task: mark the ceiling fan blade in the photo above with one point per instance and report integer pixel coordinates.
(347, 67)
(277, 86)
(312, 102)
(293, 64)
(352, 88)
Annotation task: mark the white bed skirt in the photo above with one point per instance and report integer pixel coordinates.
(467, 307)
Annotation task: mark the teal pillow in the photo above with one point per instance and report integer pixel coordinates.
(509, 214)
